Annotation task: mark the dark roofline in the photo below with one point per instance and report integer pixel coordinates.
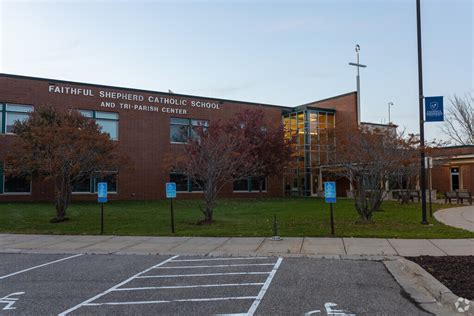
(330, 98)
(305, 107)
(457, 146)
(380, 124)
(137, 90)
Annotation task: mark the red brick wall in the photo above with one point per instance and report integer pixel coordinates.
(345, 105)
(144, 135)
(457, 156)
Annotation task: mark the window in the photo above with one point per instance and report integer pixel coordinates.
(13, 184)
(89, 184)
(108, 121)
(111, 180)
(10, 113)
(183, 183)
(251, 184)
(82, 186)
(182, 129)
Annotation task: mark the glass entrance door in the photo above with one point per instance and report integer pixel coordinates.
(454, 179)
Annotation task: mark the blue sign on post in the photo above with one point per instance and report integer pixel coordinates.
(434, 109)
(330, 192)
(170, 190)
(102, 192)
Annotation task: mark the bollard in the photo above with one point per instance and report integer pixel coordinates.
(275, 229)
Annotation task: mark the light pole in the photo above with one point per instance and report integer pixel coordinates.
(389, 105)
(424, 221)
(358, 65)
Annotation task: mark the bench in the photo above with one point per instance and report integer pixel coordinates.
(449, 195)
(460, 196)
(407, 195)
(464, 195)
(415, 194)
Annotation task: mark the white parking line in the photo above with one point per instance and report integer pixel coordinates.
(264, 289)
(114, 287)
(178, 300)
(256, 299)
(219, 266)
(185, 286)
(198, 275)
(220, 259)
(38, 266)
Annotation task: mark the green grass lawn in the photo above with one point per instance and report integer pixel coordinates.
(233, 217)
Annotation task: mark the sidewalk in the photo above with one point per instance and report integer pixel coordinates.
(460, 217)
(220, 246)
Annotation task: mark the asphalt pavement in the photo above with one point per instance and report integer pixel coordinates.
(45, 284)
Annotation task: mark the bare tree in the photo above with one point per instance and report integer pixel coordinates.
(368, 158)
(245, 146)
(459, 120)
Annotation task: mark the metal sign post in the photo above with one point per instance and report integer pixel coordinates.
(429, 166)
(330, 196)
(102, 198)
(171, 194)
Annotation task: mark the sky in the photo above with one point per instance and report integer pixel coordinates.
(276, 52)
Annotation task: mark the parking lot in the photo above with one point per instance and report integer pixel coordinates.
(39, 284)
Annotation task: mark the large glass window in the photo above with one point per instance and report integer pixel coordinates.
(10, 113)
(311, 148)
(251, 184)
(107, 121)
(182, 129)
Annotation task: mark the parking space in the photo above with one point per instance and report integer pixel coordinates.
(197, 285)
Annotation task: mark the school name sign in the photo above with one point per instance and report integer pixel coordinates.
(137, 101)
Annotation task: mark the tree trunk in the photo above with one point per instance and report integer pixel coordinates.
(63, 197)
(210, 200)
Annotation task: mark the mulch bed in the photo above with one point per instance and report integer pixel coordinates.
(455, 272)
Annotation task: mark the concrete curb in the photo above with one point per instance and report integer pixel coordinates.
(427, 291)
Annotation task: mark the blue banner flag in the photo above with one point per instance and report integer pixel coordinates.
(434, 109)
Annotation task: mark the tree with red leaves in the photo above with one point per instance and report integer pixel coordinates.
(63, 146)
(368, 156)
(242, 147)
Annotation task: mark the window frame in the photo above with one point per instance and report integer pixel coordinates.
(250, 188)
(190, 124)
(93, 184)
(97, 119)
(3, 182)
(4, 115)
(189, 183)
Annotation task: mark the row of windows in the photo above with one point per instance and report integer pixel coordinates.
(13, 184)
(186, 184)
(10, 113)
(181, 129)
